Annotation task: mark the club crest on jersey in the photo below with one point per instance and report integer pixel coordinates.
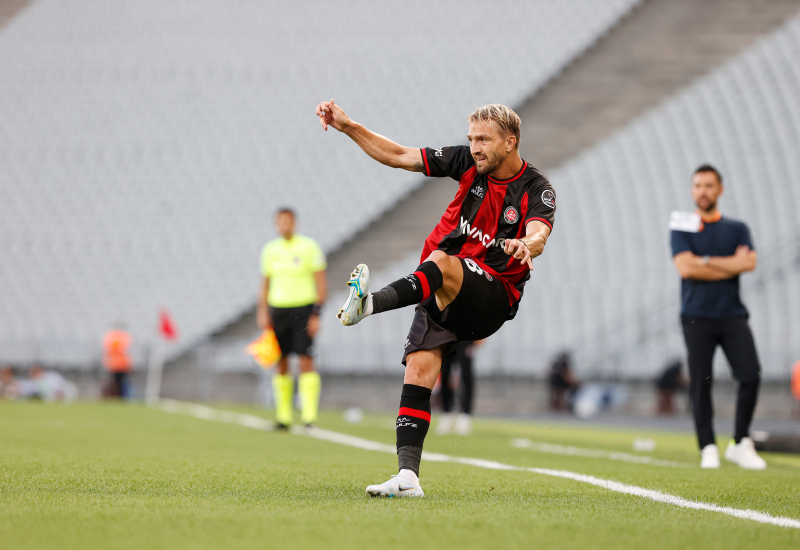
(549, 198)
(510, 215)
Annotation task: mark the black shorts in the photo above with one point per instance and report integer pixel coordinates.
(478, 311)
(291, 329)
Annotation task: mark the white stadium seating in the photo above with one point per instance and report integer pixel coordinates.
(606, 287)
(145, 146)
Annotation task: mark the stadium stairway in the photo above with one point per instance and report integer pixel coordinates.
(658, 49)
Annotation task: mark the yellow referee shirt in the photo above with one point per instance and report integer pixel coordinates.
(290, 267)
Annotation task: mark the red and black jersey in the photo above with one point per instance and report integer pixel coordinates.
(487, 211)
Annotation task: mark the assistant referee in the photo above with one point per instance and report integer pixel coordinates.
(292, 294)
(710, 259)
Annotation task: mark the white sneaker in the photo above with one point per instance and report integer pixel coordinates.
(709, 457)
(445, 423)
(463, 424)
(404, 484)
(744, 454)
(353, 309)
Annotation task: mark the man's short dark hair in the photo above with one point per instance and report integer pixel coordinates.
(709, 168)
(285, 210)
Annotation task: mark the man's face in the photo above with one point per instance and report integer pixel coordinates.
(706, 189)
(285, 224)
(488, 147)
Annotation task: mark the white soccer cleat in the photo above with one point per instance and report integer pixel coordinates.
(709, 457)
(400, 485)
(353, 309)
(744, 454)
(463, 424)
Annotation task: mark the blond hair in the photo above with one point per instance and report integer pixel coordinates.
(504, 117)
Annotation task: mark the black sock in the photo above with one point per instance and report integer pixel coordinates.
(413, 421)
(411, 289)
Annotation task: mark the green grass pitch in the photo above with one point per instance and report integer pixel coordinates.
(99, 475)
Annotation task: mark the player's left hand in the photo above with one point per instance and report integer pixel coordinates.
(313, 325)
(518, 249)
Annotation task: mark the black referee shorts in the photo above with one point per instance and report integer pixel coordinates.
(291, 329)
(478, 311)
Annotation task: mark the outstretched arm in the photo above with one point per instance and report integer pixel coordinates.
(531, 245)
(381, 148)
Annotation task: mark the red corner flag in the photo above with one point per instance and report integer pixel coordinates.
(166, 326)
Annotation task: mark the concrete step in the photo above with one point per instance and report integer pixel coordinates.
(660, 48)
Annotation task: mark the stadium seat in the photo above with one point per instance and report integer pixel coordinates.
(142, 158)
(606, 286)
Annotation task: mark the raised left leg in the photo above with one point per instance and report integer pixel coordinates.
(439, 274)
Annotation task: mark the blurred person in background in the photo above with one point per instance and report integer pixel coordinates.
(117, 361)
(293, 291)
(463, 384)
(710, 254)
(49, 385)
(563, 383)
(667, 384)
(9, 388)
(796, 386)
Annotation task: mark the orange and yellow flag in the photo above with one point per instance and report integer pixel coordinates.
(265, 349)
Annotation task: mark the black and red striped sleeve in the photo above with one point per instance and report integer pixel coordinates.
(447, 161)
(541, 205)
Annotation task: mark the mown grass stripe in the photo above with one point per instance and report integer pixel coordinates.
(250, 421)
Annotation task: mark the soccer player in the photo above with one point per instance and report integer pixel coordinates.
(474, 264)
(293, 292)
(710, 261)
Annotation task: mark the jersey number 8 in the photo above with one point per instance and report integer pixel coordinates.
(473, 266)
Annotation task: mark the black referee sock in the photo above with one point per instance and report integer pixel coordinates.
(413, 421)
(411, 289)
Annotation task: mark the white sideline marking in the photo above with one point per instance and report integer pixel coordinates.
(207, 413)
(552, 448)
(250, 421)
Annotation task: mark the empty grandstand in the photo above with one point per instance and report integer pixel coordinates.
(143, 153)
(605, 286)
(142, 156)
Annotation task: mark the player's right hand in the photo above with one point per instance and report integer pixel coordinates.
(519, 250)
(331, 114)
